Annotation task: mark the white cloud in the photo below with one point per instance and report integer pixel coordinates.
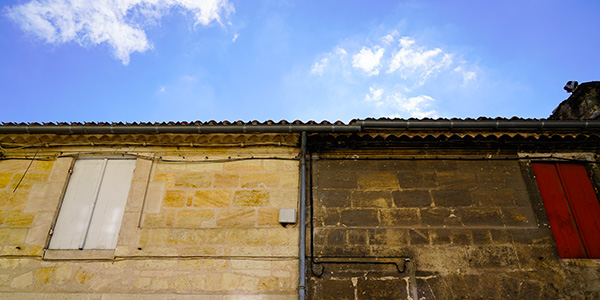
(389, 38)
(468, 76)
(319, 67)
(411, 60)
(374, 95)
(415, 107)
(117, 23)
(235, 36)
(404, 77)
(368, 60)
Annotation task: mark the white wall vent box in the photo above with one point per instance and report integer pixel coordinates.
(287, 215)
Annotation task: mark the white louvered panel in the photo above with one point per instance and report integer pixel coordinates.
(76, 208)
(105, 224)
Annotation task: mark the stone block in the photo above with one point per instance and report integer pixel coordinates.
(249, 237)
(5, 179)
(418, 198)
(142, 170)
(240, 282)
(438, 216)
(18, 199)
(501, 236)
(419, 237)
(272, 165)
(154, 196)
(359, 217)
(243, 166)
(13, 165)
(331, 289)
(226, 180)
(357, 236)
(282, 237)
(236, 218)
(38, 233)
(489, 217)
(190, 218)
(214, 265)
(397, 217)
(268, 217)
(362, 199)
(193, 180)
(60, 169)
(259, 180)
(17, 236)
(16, 218)
(283, 197)
(330, 217)
(168, 178)
(204, 167)
(335, 237)
(492, 256)
(518, 216)
(165, 218)
(535, 236)
(493, 196)
(212, 198)
(389, 237)
(440, 236)
(333, 197)
(336, 180)
(253, 198)
(452, 197)
(417, 179)
(378, 181)
(461, 237)
(457, 180)
(481, 237)
(289, 180)
(381, 288)
(3, 215)
(175, 198)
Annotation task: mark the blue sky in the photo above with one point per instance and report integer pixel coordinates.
(176, 60)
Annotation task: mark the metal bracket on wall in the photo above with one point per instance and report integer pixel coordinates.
(399, 262)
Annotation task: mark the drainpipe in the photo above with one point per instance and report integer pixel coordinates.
(302, 222)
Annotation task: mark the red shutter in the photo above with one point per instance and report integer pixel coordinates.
(584, 205)
(566, 235)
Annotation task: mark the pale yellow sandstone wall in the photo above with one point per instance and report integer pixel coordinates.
(199, 223)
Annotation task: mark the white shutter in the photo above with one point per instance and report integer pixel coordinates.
(92, 209)
(110, 206)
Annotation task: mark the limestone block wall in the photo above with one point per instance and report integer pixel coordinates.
(474, 229)
(198, 224)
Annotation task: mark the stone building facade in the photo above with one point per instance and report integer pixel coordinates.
(395, 209)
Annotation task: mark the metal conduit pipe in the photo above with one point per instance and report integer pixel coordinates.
(302, 222)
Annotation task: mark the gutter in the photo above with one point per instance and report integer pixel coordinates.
(353, 127)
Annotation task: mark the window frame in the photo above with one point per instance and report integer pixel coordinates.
(125, 185)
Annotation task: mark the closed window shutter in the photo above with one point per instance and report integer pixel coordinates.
(93, 206)
(572, 208)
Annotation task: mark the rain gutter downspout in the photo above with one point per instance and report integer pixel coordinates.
(302, 222)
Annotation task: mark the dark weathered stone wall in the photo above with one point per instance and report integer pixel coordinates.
(474, 229)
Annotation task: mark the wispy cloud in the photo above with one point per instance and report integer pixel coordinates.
(400, 71)
(319, 67)
(368, 60)
(410, 60)
(118, 23)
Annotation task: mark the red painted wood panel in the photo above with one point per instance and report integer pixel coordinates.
(566, 236)
(584, 205)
